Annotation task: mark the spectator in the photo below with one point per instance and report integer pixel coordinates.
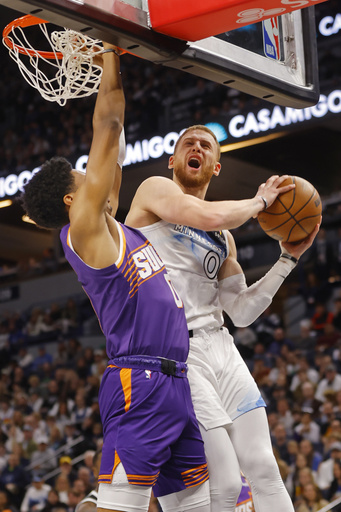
(337, 314)
(279, 339)
(306, 341)
(322, 256)
(79, 486)
(266, 325)
(245, 339)
(3, 457)
(331, 382)
(326, 416)
(66, 469)
(36, 495)
(313, 291)
(80, 410)
(56, 440)
(14, 436)
(305, 476)
(329, 339)
(321, 317)
(307, 398)
(334, 490)
(53, 502)
(334, 429)
(303, 365)
(5, 503)
(312, 499)
(325, 472)
(285, 416)
(279, 441)
(6, 410)
(25, 360)
(63, 485)
(28, 444)
(42, 357)
(337, 406)
(84, 474)
(52, 396)
(313, 457)
(13, 479)
(307, 428)
(300, 463)
(74, 497)
(44, 459)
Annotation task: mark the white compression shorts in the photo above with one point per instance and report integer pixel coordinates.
(222, 386)
(120, 495)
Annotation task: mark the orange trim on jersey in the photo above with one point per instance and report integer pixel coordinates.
(141, 281)
(130, 271)
(116, 461)
(105, 479)
(119, 263)
(131, 274)
(195, 476)
(147, 481)
(108, 478)
(245, 501)
(68, 238)
(125, 376)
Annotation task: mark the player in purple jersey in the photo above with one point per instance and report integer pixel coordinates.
(204, 269)
(151, 438)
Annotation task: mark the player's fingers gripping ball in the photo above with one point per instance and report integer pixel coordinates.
(294, 214)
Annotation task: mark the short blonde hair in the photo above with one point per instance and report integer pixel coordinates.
(203, 128)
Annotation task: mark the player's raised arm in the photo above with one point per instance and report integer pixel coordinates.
(102, 168)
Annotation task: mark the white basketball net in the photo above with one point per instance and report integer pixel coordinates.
(75, 75)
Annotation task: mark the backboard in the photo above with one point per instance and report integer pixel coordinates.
(275, 59)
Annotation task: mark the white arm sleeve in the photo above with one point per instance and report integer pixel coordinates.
(122, 149)
(245, 304)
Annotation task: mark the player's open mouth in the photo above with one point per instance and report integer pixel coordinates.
(194, 163)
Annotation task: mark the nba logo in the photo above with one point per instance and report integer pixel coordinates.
(148, 374)
(271, 39)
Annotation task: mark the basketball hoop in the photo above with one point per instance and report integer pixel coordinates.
(65, 70)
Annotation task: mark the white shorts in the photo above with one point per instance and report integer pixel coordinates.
(222, 386)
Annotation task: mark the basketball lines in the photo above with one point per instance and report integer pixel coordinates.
(297, 223)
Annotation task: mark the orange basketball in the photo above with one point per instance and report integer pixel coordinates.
(294, 214)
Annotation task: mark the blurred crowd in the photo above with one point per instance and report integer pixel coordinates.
(50, 422)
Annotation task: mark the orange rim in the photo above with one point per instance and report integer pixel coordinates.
(27, 21)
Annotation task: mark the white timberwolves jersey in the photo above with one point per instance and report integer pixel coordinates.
(193, 259)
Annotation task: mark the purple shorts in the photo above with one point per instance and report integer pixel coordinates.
(150, 427)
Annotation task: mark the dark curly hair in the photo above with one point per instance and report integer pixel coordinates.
(42, 198)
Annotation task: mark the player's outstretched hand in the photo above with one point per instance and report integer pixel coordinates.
(98, 59)
(296, 249)
(272, 188)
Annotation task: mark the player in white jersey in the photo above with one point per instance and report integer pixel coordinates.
(207, 276)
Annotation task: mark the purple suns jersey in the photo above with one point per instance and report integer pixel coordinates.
(136, 305)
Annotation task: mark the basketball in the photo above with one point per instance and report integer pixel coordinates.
(294, 214)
